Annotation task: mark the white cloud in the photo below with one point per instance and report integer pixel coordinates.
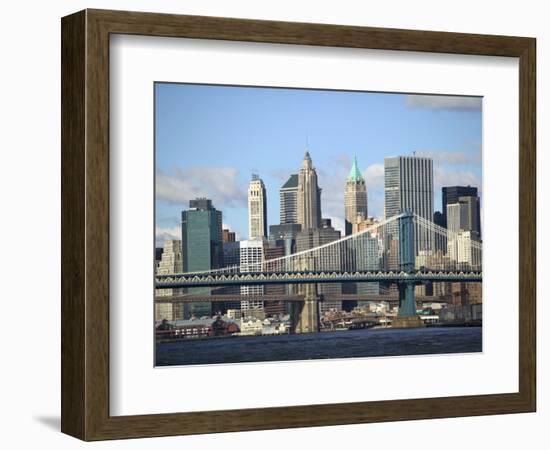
(444, 102)
(338, 224)
(282, 174)
(374, 176)
(451, 157)
(443, 177)
(165, 234)
(219, 184)
(332, 184)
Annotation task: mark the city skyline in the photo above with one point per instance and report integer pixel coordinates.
(264, 248)
(183, 175)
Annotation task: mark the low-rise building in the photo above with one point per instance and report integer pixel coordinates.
(251, 327)
(195, 328)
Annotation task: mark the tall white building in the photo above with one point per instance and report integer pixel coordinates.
(251, 258)
(309, 196)
(462, 225)
(462, 249)
(408, 185)
(257, 209)
(464, 215)
(170, 263)
(457, 217)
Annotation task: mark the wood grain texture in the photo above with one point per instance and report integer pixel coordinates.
(85, 224)
(527, 225)
(73, 226)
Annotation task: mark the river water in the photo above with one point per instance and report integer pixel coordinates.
(337, 344)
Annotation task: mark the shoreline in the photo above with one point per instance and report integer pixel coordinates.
(340, 331)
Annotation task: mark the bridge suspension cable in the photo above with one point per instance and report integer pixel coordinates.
(377, 248)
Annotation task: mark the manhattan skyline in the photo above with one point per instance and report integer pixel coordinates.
(210, 139)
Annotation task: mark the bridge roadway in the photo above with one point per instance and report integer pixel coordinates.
(290, 298)
(188, 280)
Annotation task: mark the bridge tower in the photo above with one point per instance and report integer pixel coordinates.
(406, 315)
(304, 316)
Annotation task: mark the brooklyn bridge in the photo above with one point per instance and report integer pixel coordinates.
(404, 251)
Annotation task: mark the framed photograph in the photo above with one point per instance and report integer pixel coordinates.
(272, 225)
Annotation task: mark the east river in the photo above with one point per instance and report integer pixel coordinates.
(337, 344)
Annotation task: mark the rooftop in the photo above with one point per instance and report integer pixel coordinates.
(355, 174)
(292, 182)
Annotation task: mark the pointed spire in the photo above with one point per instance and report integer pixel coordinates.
(307, 163)
(355, 174)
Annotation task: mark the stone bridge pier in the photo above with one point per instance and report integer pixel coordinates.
(304, 316)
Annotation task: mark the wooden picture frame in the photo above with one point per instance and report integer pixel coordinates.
(85, 224)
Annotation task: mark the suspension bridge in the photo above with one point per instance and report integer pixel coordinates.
(405, 250)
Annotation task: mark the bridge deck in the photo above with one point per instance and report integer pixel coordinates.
(290, 298)
(304, 277)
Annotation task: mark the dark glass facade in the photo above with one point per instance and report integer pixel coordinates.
(288, 197)
(202, 245)
(451, 194)
(438, 218)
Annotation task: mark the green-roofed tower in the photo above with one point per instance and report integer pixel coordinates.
(355, 198)
(355, 174)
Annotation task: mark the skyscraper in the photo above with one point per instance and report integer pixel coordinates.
(462, 221)
(473, 214)
(316, 237)
(288, 198)
(202, 238)
(257, 209)
(171, 262)
(464, 215)
(461, 249)
(367, 257)
(228, 235)
(282, 237)
(231, 258)
(408, 185)
(456, 217)
(251, 258)
(355, 198)
(309, 196)
(202, 245)
(450, 194)
(438, 219)
(274, 307)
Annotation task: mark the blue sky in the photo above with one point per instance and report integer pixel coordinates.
(210, 139)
